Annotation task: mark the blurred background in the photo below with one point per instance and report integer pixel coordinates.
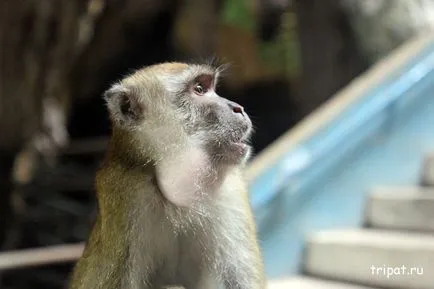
(58, 56)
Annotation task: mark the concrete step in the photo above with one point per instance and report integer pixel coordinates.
(427, 174)
(303, 282)
(409, 208)
(372, 257)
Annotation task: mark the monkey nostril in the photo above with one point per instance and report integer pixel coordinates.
(237, 109)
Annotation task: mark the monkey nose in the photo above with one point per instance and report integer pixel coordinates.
(236, 108)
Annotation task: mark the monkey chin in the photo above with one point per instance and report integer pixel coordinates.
(238, 152)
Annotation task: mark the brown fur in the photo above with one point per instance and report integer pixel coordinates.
(142, 240)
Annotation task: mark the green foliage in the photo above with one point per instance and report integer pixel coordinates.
(237, 13)
(282, 54)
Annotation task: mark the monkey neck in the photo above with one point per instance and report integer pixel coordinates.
(125, 149)
(185, 173)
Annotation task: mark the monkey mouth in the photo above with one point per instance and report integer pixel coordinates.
(240, 147)
(233, 151)
(242, 142)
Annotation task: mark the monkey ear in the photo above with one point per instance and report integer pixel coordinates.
(123, 105)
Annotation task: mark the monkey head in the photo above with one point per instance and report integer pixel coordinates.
(172, 115)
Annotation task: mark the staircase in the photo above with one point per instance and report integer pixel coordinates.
(395, 248)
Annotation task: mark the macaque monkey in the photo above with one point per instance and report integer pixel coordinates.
(173, 205)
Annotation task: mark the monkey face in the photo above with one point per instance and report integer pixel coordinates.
(174, 104)
(221, 126)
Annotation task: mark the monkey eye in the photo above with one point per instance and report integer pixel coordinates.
(199, 89)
